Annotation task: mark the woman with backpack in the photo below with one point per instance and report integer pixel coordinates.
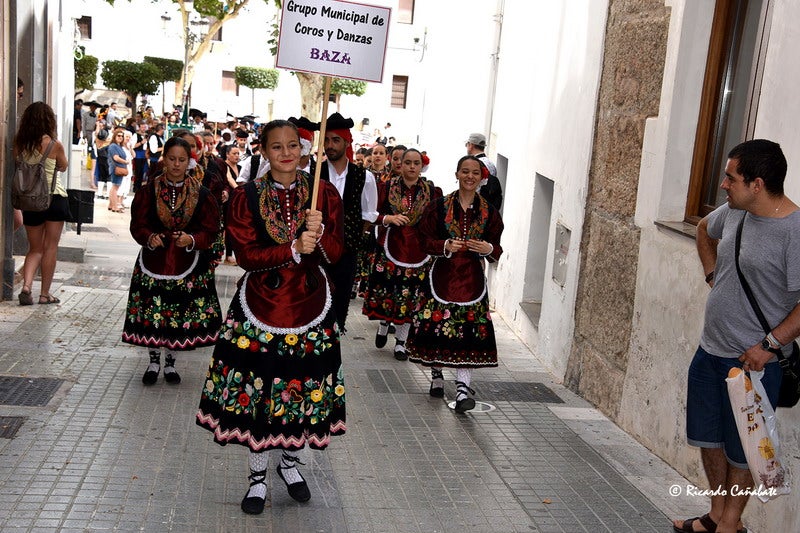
(37, 136)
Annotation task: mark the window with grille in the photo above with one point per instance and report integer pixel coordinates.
(399, 91)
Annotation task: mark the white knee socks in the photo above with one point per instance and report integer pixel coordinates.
(258, 463)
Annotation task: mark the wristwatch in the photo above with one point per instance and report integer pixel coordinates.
(766, 344)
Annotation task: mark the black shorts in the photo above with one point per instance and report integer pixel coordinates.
(57, 212)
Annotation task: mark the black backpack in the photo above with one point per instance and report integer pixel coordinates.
(29, 190)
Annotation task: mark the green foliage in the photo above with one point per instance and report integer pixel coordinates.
(85, 72)
(347, 86)
(171, 69)
(256, 78)
(133, 78)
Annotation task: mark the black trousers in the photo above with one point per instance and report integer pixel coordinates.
(342, 275)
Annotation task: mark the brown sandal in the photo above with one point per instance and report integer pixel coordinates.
(46, 299)
(25, 297)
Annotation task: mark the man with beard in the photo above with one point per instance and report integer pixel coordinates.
(359, 195)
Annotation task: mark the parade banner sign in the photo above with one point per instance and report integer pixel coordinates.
(334, 38)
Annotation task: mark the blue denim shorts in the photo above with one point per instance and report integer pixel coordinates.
(709, 418)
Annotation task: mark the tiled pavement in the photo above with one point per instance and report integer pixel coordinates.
(106, 453)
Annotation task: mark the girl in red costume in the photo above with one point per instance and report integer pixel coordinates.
(172, 303)
(452, 326)
(275, 380)
(400, 266)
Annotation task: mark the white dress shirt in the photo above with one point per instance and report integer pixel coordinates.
(369, 194)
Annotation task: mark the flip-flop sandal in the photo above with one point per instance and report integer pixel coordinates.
(48, 299)
(710, 526)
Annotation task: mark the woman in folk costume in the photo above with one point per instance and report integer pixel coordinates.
(275, 380)
(400, 266)
(366, 254)
(172, 303)
(452, 327)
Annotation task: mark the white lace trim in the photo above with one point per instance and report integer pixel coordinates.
(443, 301)
(395, 261)
(164, 276)
(284, 331)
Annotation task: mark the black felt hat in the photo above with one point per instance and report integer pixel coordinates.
(304, 123)
(338, 122)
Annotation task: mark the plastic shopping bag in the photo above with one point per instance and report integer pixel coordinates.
(757, 425)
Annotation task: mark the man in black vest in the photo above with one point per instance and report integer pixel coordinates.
(359, 195)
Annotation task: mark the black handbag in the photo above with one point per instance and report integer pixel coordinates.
(790, 383)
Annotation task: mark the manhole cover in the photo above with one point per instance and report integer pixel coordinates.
(514, 391)
(480, 407)
(9, 425)
(29, 392)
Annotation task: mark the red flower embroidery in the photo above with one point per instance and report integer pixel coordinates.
(436, 316)
(254, 346)
(309, 347)
(470, 316)
(244, 400)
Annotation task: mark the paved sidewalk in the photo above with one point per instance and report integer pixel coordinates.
(86, 447)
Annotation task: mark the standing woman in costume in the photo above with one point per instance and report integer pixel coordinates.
(401, 265)
(172, 303)
(378, 166)
(452, 326)
(36, 137)
(232, 168)
(275, 380)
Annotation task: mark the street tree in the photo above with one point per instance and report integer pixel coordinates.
(256, 78)
(218, 12)
(132, 78)
(170, 69)
(85, 72)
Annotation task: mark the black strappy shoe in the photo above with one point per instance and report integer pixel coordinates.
(254, 504)
(464, 402)
(299, 489)
(437, 383)
(151, 374)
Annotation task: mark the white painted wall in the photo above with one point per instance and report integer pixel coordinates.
(551, 59)
(670, 291)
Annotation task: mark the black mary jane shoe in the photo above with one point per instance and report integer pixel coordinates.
(254, 504)
(437, 383)
(380, 340)
(171, 375)
(400, 350)
(466, 403)
(299, 489)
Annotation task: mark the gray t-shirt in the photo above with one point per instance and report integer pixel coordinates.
(770, 261)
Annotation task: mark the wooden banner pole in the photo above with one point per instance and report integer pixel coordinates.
(321, 141)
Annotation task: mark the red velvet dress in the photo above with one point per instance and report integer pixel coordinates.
(400, 266)
(452, 326)
(275, 380)
(172, 301)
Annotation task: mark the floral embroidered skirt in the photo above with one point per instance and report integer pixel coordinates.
(392, 291)
(179, 314)
(452, 335)
(266, 391)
